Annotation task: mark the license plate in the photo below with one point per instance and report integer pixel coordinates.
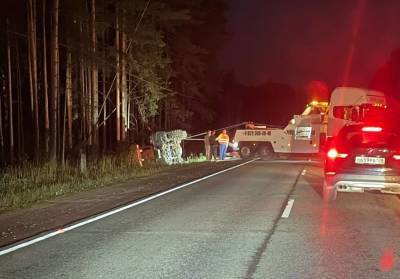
(369, 160)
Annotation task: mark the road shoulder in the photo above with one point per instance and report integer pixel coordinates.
(50, 215)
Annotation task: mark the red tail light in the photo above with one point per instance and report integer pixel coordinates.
(333, 154)
(396, 157)
(372, 129)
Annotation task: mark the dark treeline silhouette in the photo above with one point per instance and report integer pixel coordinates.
(271, 103)
(89, 76)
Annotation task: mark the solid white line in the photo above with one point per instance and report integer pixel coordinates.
(112, 212)
(288, 208)
(291, 161)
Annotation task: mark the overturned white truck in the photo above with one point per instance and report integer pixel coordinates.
(168, 145)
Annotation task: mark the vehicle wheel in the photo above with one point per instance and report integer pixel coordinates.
(266, 152)
(329, 193)
(245, 152)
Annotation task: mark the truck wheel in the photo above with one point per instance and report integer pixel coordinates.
(329, 193)
(266, 152)
(245, 152)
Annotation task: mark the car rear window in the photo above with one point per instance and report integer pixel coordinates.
(354, 137)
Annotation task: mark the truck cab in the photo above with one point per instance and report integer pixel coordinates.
(354, 105)
(308, 129)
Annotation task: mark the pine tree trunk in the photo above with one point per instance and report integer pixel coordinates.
(36, 100)
(82, 103)
(54, 83)
(128, 112)
(33, 74)
(94, 80)
(104, 111)
(118, 77)
(83, 139)
(63, 131)
(82, 108)
(68, 96)
(63, 127)
(105, 96)
(89, 104)
(10, 99)
(20, 129)
(124, 93)
(2, 149)
(45, 83)
(129, 101)
(82, 113)
(30, 60)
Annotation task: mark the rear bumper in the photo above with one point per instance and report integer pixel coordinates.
(361, 183)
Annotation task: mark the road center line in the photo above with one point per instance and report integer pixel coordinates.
(263, 247)
(288, 208)
(49, 234)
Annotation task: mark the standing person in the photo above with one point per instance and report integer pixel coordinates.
(223, 140)
(214, 145)
(207, 145)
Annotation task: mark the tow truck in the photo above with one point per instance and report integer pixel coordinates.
(309, 132)
(304, 134)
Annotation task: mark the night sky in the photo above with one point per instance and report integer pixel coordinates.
(295, 42)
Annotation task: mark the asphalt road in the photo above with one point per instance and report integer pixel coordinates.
(229, 226)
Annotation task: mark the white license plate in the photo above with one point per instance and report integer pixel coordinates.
(369, 160)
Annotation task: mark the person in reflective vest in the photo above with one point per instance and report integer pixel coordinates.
(223, 140)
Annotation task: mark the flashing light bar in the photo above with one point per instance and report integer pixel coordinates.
(315, 103)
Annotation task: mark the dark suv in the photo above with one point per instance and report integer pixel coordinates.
(363, 158)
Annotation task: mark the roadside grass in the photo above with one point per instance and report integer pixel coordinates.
(195, 158)
(30, 183)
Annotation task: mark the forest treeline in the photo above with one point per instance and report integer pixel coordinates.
(89, 76)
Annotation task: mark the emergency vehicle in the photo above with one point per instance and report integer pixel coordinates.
(307, 133)
(304, 134)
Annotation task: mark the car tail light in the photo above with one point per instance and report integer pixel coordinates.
(333, 154)
(371, 129)
(396, 157)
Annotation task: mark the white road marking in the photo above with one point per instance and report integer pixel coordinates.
(290, 161)
(288, 208)
(89, 220)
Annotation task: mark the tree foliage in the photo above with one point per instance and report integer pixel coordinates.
(122, 70)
